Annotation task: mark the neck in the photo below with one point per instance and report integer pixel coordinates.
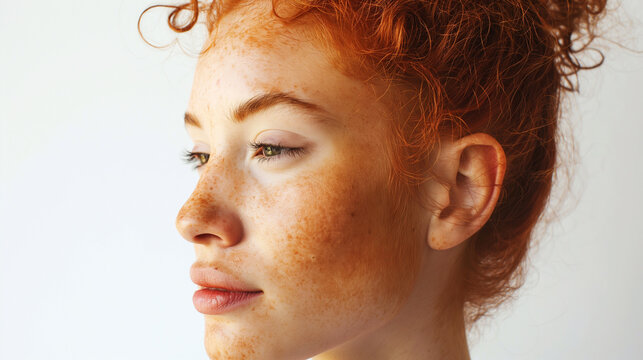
(423, 329)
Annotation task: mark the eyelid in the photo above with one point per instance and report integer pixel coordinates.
(200, 147)
(278, 136)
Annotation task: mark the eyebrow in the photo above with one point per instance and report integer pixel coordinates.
(262, 102)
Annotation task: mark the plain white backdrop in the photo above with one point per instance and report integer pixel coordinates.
(91, 134)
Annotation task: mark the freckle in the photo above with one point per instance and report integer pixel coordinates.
(437, 243)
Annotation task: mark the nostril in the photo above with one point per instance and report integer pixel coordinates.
(206, 237)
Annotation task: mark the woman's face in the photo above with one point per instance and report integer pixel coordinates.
(311, 228)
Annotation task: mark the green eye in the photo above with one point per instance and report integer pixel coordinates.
(263, 152)
(203, 158)
(268, 152)
(196, 157)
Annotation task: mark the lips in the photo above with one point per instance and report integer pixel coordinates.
(212, 278)
(220, 292)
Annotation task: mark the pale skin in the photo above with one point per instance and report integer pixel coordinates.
(340, 279)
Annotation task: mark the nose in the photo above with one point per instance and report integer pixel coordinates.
(204, 220)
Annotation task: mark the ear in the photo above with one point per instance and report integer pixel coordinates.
(469, 174)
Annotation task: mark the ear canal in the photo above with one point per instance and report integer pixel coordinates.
(447, 212)
(463, 202)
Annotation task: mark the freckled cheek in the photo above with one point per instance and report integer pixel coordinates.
(333, 245)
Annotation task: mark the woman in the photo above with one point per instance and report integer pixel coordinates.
(370, 171)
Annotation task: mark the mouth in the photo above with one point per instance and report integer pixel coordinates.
(220, 292)
(213, 301)
(210, 277)
(229, 290)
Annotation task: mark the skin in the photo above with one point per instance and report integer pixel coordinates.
(342, 278)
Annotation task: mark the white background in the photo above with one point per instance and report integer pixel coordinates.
(91, 134)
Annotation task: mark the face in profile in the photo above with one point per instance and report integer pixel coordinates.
(292, 208)
(348, 198)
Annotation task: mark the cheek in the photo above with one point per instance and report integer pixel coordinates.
(338, 253)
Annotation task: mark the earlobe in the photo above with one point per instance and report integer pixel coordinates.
(471, 172)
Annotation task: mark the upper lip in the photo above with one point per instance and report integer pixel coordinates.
(211, 277)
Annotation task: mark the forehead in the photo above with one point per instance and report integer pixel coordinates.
(253, 52)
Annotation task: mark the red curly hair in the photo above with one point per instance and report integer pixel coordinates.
(498, 67)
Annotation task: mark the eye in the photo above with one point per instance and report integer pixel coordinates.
(197, 158)
(262, 151)
(269, 152)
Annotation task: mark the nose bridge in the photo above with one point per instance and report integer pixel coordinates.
(209, 214)
(213, 180)
(216, 182)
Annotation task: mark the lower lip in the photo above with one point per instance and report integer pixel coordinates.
(214, 302)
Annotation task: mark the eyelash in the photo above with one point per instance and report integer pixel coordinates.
(195, 157)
